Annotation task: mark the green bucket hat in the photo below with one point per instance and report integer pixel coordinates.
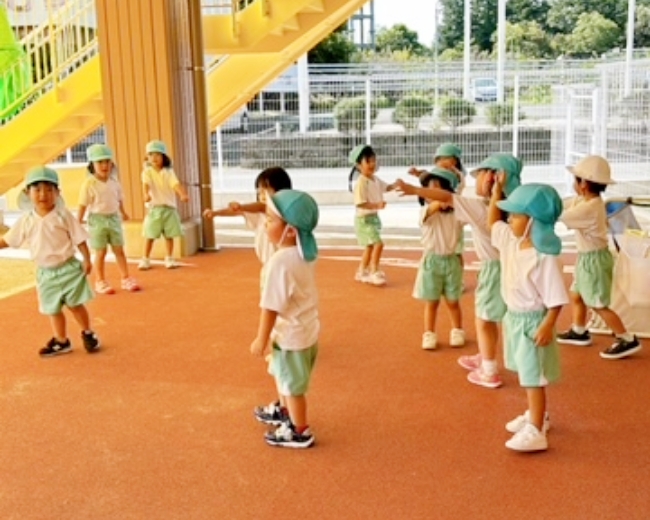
(98, 152)
(442, 174)
(507, 163)
(449, 150)
(156, 147)
(299, 210)
(355, 153)
(41, 174)
(543, 204)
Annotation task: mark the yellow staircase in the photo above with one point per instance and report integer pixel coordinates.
(254, 46)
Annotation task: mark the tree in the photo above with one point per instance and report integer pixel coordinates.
(593, 35)
(518, 11)
(642, 26)
(563, 15)
(527, 40)
(399, 38)
(336, 48)
(484, 23)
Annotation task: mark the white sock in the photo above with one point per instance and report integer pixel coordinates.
(578, 330)
(626, 337)
(489, 366)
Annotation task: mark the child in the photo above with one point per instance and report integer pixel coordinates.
(592, 284)
(51, 232)
(440, 272)
(533, 289)
(101, 195)
(161, 186)
(368, 200)
(489, 307)
(289, 316)
(267, 183)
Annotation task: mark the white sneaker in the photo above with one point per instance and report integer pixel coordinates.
(377, 278)
(361, 276)
(457, 338)
(170, 263)
(144, 264)
(528, 439)
(518, 423)
(429, 340)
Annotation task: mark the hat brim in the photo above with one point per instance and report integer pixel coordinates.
(101, 158)
(510, 207)
(576, 173)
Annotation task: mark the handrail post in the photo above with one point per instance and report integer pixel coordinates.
(53, 54)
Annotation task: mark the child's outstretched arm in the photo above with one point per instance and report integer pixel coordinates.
(223, 212)
(544, 334)
(403, 188)
(416, 172)
(267, 321)
(251, 207)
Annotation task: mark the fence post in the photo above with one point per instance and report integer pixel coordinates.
(595, 121)
(568, 138)
(515, 119)
(368, 110)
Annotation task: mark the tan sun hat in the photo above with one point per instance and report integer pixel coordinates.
(593, 168)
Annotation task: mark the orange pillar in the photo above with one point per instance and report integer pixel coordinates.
(154, 88)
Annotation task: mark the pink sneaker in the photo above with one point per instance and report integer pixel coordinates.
(129, 284)
(478, 377)
(470, 362)
(102, 287)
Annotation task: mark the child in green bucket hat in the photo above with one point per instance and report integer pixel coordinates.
(289, 323)
(533, 289)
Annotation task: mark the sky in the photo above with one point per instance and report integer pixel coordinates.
(417, 15)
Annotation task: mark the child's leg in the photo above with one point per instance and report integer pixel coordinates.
(57, 321)
(536, 406)
(487, 336)
(148, 246)
(430, 315)
(578, 311)
(455, 314)
(365, 259)
(82, 317)
(120, 257)
(375, 257)
(297, 406)
(612, 320)
(169, 246)
(99, 264)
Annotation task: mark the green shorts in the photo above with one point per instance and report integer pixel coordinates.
(593, 278)
(292, 369)
(64, 285)
(439, 275)
(105, 230)
(162, 220)
(460, 248)
(368, 229)
(535, 366)
(488, 301)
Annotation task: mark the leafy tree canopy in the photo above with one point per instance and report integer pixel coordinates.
(399, 38)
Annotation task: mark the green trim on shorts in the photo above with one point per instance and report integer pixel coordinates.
(292, 369)
(63, 285)
(535, 366)
(368, 229)
(162, 221)
(488, 300)
(438, 276)
(105, 230)
(593, 278)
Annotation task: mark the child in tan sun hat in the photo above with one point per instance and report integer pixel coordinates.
(592, 284)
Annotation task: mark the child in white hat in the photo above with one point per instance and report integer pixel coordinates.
(101, 196)
(161, 186)
(53, 236)
(533, 289)
(592, 284)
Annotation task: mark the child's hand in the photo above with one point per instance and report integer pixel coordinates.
(258, 347)
(147, 197)
(208, 214)
(184, 198)
(125, 216)
(544, 335)
(381, 205)
(235, 206)
(404, 188)
(414, 171)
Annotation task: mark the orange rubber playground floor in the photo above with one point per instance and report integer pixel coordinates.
(159, 425)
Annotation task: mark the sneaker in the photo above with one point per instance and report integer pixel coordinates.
(522, 420)
(144, 264)
(470, 362)
(285, 436)
(170, 263)
(457, 338)
(102, 287)
(377, 278)
(528, 439)
(622, 348)
(54, 348)
(480, 378)
(129, 284)
(362, 276)
(571, 337)
(271, 414)
(91, 342)
(429, 340)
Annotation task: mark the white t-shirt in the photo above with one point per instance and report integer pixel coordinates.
(440, 233)
(530, 280)
(368, 189)
(264, 248)
(474, 211)
(52, 239)
(161, 185)
(290, 290)
(589, 220)
(101, 197)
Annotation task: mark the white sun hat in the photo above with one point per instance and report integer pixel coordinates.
(593, 168)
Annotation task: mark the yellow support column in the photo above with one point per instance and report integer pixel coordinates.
(153, 88)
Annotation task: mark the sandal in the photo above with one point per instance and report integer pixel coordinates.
(103, 288)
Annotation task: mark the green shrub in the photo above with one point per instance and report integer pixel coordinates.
(381, 101)
(501, 114)
(323, 103)
(410, 109)
(457, 111)
(537, 95)
(350, 114)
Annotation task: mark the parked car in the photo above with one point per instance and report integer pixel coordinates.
(484, 90)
